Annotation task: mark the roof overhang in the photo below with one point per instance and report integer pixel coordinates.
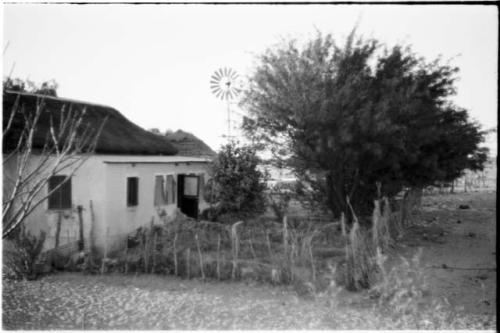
(154, 159)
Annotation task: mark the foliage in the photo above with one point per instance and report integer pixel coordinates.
(344, 117)
(237, 185)
(22, 254)
(279, 197)
(48, 88)
(155, 130)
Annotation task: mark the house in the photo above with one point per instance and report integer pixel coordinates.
(133, 177)
(189, 145)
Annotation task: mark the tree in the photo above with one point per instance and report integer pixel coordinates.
(346, 117)
(236, 186)
(27, 165)
(155, 130)
(48, 88)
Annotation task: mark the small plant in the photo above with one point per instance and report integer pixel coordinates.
(361, 269)
(403, 282)
(22, 255)
(380, 224)
(401, 298)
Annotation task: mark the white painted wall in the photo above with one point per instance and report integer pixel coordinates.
(86, 184)
(122, 219)
(102, 179)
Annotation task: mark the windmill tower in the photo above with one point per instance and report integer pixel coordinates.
(223, 84)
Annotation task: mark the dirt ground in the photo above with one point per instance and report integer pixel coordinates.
(459, 249)
(458, 257)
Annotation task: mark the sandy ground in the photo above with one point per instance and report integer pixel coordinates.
(77, 301)
(467, 242)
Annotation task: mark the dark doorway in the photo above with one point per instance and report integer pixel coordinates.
(187, 193)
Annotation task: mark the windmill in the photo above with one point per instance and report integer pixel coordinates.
(224, 85)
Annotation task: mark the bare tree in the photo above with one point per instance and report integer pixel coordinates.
(28, 166)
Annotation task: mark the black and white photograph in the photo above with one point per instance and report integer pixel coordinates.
(249, 165)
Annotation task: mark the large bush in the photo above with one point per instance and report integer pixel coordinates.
(345, 117)
(236, 188)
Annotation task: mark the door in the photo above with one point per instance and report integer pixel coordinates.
(187, 193)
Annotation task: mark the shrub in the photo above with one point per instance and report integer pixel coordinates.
(22, 255)
(402, 283)
(237, 186)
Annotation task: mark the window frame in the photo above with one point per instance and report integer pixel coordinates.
(169, 199)
(195, 176)
(63, 189)
(162, 191)
(129, 196)
(172, 199)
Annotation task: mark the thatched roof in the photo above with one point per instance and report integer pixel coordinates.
(119, 135)
(189, 145)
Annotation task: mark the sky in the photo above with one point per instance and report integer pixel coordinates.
(153, 63)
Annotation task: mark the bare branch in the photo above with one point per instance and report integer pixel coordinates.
(55, 141)
(68, 145)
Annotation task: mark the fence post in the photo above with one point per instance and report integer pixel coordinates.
(155, 236)
(188, 262)
(313, 267)
(126, 255)
(199, 256)
(81, 243)
(91, 233)
(218, 256)
(268, 241)
(285, 237)
(58, 229)
(235, 247)
(176, 272)
(103, 264)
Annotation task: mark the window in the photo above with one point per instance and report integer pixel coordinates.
(165, 190)
(60, 192)
(160, 194)
(171, 189)
(132, 191)
(191, 186)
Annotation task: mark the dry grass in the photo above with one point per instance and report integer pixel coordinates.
(380, 224)
(400, 297)
(361, 268)
(402, 300)
(261, 250)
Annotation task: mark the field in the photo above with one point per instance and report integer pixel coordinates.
(458, 261)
